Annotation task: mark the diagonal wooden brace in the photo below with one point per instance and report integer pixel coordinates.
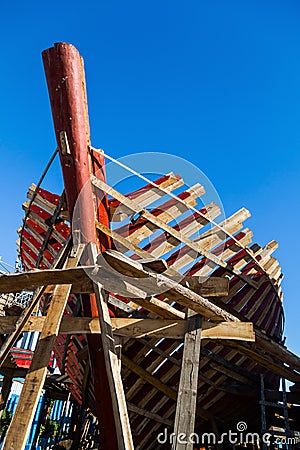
(112, 365)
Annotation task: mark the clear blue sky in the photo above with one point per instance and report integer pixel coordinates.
(216, 82)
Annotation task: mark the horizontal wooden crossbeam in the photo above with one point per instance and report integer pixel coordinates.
(82, 283)
(136, 328)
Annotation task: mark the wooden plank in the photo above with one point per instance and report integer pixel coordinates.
(227, 249)
(135, 208)
(188, 384)
(179, 293)
(142, 228)
(213, 237)
(121, 418)
(46, 200)
(208, 287)
(136, 328)
(21, 423)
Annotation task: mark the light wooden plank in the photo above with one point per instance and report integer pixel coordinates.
(41, 200)
(178, 293)
(136, 328)
(145, 196)
(135, 208)
(188, 384)
(81, 279)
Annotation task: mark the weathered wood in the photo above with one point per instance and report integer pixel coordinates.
(21, 423)
(166, 212)
(150, 415)
(39, 196)
(171, 288)
(80, 278)
(121, 418)
(136, 328)
(188, 384)
(145, 195)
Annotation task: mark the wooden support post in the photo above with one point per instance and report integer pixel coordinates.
(19, 429)
(66, 84)
(112, 367)
(188, 384)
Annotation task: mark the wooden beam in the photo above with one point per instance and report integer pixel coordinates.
(188, 384)
(113, 371)
(136, 328)
(80, 278)
(19, 428)
(150, 415)
(147, 281)
(145, 196)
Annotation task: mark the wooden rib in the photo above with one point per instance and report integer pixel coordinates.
(230, 225)
(39, 234)
(40, 222)
(227, 250)
(32, 255)
(160, 224)
(47, 256)
(145, 196)
(165, 243)
(166, 212)
(186, 255)
(42, 198)
(136, 328)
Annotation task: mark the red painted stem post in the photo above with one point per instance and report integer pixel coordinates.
(66, 85)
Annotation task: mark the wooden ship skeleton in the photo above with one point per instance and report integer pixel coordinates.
(188, 359)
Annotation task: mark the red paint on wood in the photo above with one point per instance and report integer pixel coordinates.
(66, 84)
